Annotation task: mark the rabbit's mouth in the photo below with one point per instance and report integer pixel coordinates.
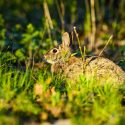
(47, 60)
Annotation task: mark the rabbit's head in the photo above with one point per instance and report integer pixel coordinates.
(60, 53)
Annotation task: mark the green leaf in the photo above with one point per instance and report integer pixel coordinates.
(30, 28)
(19, 53)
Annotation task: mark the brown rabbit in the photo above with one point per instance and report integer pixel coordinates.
(72, 67)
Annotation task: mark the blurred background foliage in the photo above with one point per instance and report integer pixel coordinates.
(29, 27)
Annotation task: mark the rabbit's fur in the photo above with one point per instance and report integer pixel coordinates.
(72, 67)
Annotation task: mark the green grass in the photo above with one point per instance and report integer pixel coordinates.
(36, 96)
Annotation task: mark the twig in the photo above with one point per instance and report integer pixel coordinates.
(106, 45)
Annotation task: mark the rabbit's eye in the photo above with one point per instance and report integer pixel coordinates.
(55, 50)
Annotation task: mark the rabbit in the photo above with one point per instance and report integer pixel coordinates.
(64, 62)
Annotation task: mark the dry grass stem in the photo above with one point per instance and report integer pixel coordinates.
(61, 12)
(106, 45)
(77, 37)
(47, 14)
(93, 23)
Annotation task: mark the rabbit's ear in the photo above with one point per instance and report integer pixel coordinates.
(65, 39)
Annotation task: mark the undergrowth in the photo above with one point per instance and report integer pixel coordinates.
(29, 95)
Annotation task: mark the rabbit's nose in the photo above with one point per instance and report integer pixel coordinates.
(44, 56)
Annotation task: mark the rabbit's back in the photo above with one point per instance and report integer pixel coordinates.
(105, 69)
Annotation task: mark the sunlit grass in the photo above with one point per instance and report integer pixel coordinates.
(39, 96)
